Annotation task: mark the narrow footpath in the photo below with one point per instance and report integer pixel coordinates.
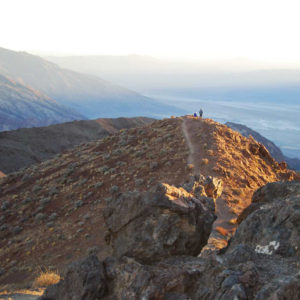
(197, 138)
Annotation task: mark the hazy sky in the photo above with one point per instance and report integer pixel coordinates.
(257, 29)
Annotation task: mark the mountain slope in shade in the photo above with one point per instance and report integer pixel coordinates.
(22, 106)
(88, 94)
(60, 202)
(24, 147)
(274, 150)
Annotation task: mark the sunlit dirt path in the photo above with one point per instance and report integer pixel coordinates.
(223, 229)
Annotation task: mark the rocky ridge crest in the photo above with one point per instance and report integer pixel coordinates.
(52, 213)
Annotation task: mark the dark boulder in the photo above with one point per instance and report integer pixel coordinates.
(174, 278)
(274, 228)
(268, 193)
(276, 190)
(150, 226)
(84, 280)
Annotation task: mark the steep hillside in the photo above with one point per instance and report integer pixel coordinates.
(52, 213)
(90, 95)
(21, 106)
(275, 151)
(24, 147)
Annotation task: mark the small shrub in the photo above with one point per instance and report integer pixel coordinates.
(103, 169)
(190, 166)
(210, 152)
(114, 189)
(204, 161)
(98, 184)
(46, 278)
(36, 188)
(153, 165)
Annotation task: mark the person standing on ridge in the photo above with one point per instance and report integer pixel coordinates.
(200, 112)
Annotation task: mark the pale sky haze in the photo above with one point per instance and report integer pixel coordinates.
(265, 30)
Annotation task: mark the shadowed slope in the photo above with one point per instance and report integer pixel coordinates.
(22, 106)
(24, 147)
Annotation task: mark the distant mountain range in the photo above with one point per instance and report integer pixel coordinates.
(217, 80)
(24, 147)
(88, 95)
(22, 106)
(274, 150)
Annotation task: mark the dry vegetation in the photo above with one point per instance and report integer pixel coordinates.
(46, 278)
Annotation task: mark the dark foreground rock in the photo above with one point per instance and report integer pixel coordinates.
(83, 280)
(150, 226)
(261, 262)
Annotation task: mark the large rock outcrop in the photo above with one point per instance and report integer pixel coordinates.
(150, 226)
(242, 272)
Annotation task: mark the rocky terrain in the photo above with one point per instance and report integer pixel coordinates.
(24, 147)
(274, 150)
(261, 262)
(22, 106)
(183, 183)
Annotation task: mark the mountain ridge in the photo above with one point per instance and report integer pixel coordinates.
(89, 94)
(61, 201)
(24, 147)
(22, 106)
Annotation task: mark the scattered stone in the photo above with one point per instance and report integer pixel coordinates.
(213, 187)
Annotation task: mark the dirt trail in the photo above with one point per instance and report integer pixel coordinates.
(193, 129)
(188, 141)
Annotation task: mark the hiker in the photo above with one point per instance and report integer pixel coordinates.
(195, 115)
(200, 112)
